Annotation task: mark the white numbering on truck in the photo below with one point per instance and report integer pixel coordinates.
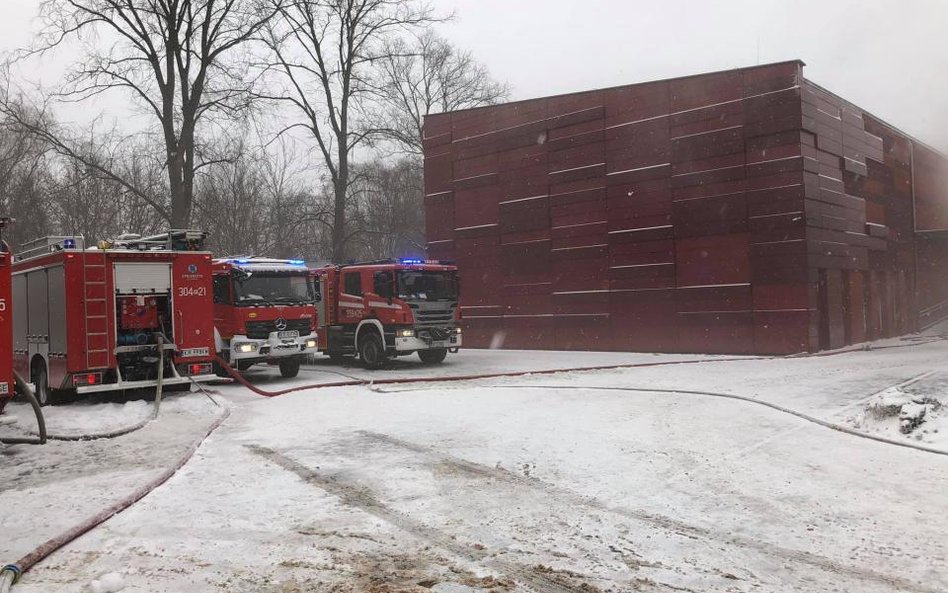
(3, 305)
(192, 291)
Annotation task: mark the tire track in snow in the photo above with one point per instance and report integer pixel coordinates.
(360, 497)
(668, 523)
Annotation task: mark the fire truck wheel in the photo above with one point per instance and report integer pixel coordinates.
(41, 381)
(290, 367)
(371, 350)
(433, 356)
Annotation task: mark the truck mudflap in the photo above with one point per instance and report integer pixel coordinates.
(276, 346)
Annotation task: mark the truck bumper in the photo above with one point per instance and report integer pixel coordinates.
(273, 347)
(414, 344)
(150, 384)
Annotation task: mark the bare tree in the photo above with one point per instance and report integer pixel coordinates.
(24, 183)
(390, 210)
(430, 76)
(170, 56)
(298, 219)
(37, 122)
(231, 201)
(324, 51)
(260, 201)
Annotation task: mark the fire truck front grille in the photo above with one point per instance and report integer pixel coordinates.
(260, 330)
(437, 316)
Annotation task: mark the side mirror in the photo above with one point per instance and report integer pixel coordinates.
(384, 285)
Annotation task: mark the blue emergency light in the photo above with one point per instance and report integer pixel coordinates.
(413, 262)
(297, 262)
(69, 244)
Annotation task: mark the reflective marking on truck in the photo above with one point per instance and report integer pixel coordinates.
(382, 305)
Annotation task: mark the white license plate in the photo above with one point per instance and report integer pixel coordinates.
(4, 389)
(288, 335)
(194, 352)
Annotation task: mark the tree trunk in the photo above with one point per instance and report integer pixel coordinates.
(180, 200)
(339, 216)
(341, 189)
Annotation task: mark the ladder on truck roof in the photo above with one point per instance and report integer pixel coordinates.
(172, 240)
(49, 244)
(96, 309)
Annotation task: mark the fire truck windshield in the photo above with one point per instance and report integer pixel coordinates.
(271, 288)
(427, 286)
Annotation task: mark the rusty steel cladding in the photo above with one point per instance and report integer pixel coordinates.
(744, 211)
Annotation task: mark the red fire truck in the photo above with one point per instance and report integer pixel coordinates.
(6, 321)
(383, 309)
(94, 319)
(264, 312)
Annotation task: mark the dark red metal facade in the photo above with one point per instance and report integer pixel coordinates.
(747, 211)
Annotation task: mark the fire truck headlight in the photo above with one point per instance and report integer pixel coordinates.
(245, 348)
(311, 343)
(405, 333)
(457, 330)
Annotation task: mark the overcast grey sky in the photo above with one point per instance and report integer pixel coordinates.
(888, 56)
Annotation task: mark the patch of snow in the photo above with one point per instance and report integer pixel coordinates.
(911, 415)
(888, 403)
(111, 582)
(454, 588)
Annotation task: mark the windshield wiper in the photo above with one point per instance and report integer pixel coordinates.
(252, 301)
(289, 299)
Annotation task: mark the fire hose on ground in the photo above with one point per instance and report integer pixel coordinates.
(11, 573)
(355, 381)
(741, 398)
(40, 436)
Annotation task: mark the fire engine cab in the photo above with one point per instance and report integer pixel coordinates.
(383, 309)
(101, 318)
(264, 312)
(6, 321)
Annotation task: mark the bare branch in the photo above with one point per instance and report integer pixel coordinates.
(323, 53)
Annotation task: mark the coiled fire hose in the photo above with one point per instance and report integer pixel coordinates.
(111, 434)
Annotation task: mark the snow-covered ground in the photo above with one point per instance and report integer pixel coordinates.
(543, 483)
